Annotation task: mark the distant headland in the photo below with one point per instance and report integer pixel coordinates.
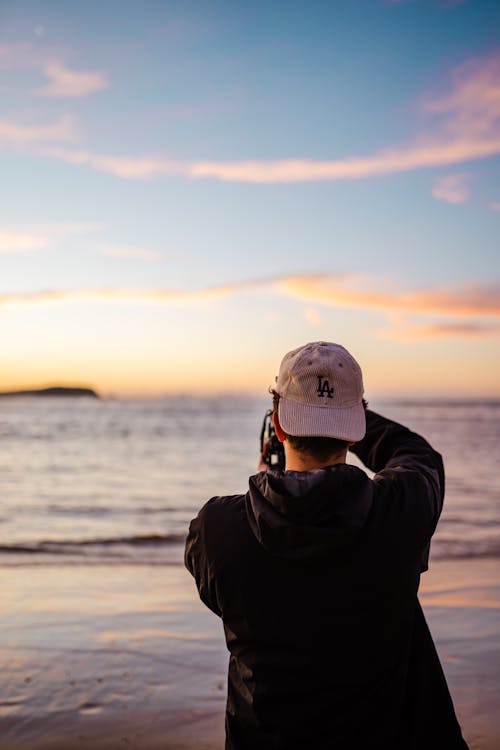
(54, 391)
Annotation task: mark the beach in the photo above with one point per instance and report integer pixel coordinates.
(104, 643)
(109, 657)
(126, 656)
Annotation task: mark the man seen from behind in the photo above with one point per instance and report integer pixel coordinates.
(315, 573)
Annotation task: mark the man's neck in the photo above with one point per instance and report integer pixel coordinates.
(296, 461)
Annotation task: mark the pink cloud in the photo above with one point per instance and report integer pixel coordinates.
(474, 301)
(452, 189)
(127, 167)
(390, 161)
(16, 133)
(129, 296)
(468, 312)
(37, 238)
(20, 242)
(472, 107)
(464, 126)
(64, 82)
(284, 171)
(472, 330)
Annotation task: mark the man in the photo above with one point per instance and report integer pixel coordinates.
(315, 573)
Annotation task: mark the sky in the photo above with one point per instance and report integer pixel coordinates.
(191, 189)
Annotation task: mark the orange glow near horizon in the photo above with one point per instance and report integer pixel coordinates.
(383, 374)
(234, 342)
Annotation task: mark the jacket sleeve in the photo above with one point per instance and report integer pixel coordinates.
(198, 559)
(406, 464)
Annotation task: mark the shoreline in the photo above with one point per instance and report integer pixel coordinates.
(128, 657)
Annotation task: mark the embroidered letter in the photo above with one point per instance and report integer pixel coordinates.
(324, 388)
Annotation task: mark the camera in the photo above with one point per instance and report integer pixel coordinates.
(272, 451)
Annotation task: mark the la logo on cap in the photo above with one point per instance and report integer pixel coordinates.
(323, 388)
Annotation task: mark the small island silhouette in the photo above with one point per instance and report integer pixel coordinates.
(57, 390)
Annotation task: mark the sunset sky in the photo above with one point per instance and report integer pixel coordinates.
(191, 189)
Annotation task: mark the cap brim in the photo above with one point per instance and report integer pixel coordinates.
(306, 420)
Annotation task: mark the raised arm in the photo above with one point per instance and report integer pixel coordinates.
(404, 459)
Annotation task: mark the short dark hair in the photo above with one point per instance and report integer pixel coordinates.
(320, 448)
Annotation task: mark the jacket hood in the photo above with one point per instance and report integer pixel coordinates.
(308, 514)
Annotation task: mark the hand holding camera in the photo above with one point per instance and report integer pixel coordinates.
(272, 453)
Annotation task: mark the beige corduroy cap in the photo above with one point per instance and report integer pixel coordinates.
(320, 386)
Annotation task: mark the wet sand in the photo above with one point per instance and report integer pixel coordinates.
(127, 656)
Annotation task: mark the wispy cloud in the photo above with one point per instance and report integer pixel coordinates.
(382, 163)
(64, 82)
(471, 108)
(463, 125)
(128, 167)
(495, 206)
(17, 133)
(127, 296)
(466, 126)
(473, 299)
(472, 330)
(390, 161)
(13, 240)
(452, 189)
(468, 310)
(20, 242)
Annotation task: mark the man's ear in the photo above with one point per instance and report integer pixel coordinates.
(279, 432)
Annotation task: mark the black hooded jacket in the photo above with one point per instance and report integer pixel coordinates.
(315, 576)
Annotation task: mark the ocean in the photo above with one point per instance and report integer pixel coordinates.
(111, 481)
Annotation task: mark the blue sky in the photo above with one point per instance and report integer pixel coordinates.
(196, 185)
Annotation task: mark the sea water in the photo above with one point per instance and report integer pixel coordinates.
(86, 481)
